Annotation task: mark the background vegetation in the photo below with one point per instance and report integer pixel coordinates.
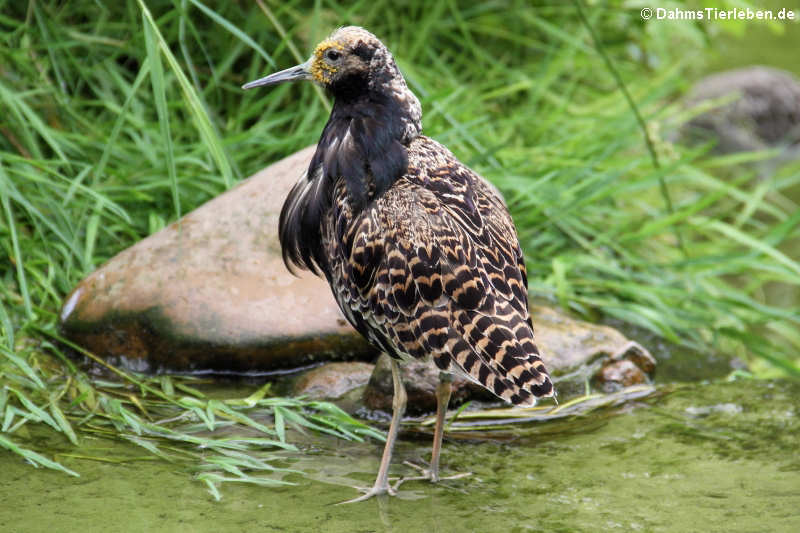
(118, 117)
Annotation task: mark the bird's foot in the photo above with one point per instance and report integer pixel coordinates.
(428, 474)
(375, 490)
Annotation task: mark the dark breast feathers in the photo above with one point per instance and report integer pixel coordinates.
(433, 267)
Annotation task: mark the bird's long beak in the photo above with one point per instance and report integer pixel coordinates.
(300, 72)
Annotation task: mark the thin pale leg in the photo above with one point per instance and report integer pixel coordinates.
(399, 399)
(443, 391)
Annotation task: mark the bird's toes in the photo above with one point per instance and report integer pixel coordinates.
(425, 472)
(428, 474)
(369, 492)
(455, 476)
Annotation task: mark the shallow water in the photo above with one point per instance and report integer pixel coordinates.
(699, 457)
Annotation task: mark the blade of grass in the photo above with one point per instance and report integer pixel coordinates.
(210, 139)
(159, 93)
(18, 260)
(34, 458)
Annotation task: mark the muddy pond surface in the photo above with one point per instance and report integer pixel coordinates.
(718, 456)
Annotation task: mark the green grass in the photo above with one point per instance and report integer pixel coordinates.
(116, 118)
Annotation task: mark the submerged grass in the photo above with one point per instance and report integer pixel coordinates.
(224, 440)
(510, 417)
(119, 117)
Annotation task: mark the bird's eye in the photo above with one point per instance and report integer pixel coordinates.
(333, 55)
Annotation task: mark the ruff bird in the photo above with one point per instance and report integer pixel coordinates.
(419, 250)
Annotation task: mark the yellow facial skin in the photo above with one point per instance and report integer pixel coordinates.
(321, 70)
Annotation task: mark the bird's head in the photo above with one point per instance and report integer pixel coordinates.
(364, 145)
(375, 117)
(350, 63)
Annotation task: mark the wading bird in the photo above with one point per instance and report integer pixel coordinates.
(420, 252)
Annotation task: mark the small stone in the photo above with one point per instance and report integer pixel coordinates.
(619, 374)
(636, 354)
(420, 379)
(333, 380)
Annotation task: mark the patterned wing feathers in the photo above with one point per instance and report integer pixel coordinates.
(433, 267)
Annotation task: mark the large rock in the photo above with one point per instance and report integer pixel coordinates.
(751, 108)
(210, 292)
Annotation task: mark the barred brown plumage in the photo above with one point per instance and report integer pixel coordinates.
(420, 251)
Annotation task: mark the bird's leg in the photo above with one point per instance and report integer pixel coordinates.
(443, 391)
(398, 409)
(399, 399)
